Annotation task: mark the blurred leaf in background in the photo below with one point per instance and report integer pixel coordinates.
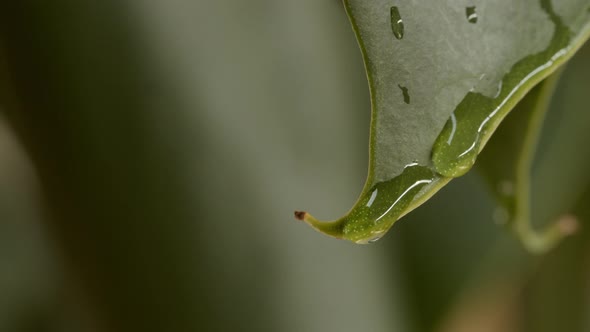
(28, 275)
(172, 140)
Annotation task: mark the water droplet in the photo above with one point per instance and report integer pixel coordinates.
(477, 116)
(372, 199)
(372, 239)
(366, 223)
(397, 25)
(405, 93)
(375, 239)
(499, 91)
(471, 14)
(455, 150)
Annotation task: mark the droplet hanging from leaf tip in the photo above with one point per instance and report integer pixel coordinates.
(471, 14)
(397, 24)
(374, 240)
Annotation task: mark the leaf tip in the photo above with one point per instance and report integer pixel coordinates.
(300, 215)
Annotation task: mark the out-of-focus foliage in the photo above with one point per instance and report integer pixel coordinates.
(155, 153)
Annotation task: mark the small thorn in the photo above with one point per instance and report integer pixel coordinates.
(300, 215)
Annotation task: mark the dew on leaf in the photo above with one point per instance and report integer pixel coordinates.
(499, 91)
(405, 93)
(476, 116)
(397, 25)
(372, 199)
(374, 240)
(471, 14)
(379, 207)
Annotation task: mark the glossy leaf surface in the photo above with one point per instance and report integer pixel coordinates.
(442, 76)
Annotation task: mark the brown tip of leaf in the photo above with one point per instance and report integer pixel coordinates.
(300, 215)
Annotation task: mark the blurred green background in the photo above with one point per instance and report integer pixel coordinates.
(152, 154)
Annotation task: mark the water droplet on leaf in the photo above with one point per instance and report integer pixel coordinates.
(397, 25)
(389, 199)
(471, 14)
(476, 116)
(374, 240)
(405, 93)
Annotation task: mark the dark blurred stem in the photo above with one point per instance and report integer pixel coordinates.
(536, 241)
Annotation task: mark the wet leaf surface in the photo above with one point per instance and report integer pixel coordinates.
(461, 68)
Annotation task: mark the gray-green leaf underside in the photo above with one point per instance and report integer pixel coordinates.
(442, 76)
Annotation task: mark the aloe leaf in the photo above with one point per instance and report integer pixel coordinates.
(442, 76)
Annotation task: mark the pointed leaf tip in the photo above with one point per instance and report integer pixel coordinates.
(300, 215)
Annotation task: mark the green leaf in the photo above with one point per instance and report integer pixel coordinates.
(442, 76)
